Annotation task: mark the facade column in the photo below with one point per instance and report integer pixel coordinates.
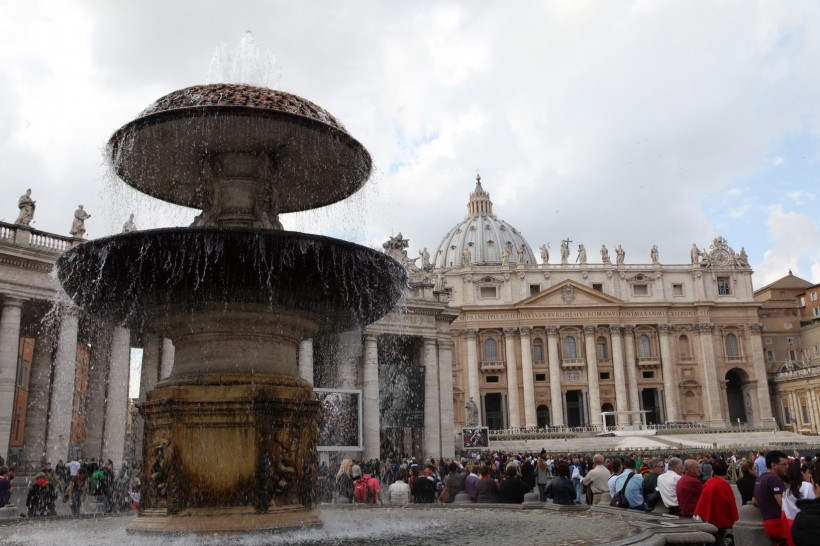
(765, 415)
(149, 375)
(512, 378)
(530, 419)
(58, 437)
(471, 337)
(670, 377)
(595, 418)
(117, 404)
(564, 405)
(9, 353)
(556, 397)
(621, 401)
(432, 415)
(348, 354)
(39, 391)
(710, 379)
(632, 376)
(306, 360)
(445, 373)
(370, 396)
(167, 360)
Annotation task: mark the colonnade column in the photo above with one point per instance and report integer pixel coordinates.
(530, 419)
(710, 379)
(445, 373)
(306, 360)
(166, 363)
(765, 415)
(512, 378)
(370, 396)
(556, 397)
(670, 378)
(472, 369)
(39, 392)
(62, 391)
(9, 350)
(432, 415)
(98, 369)
(621, 402)
(116, 411)
(632, 375)
(592, 376)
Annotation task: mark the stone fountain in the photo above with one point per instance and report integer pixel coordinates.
(230, 436)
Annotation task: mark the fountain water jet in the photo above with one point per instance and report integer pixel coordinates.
(230, 436)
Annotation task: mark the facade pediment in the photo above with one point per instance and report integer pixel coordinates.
(569, 293)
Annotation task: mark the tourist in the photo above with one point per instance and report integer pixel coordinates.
(487, 490)
(705, 467)
(768, 495)
(562, 489)
(5, 486)
(617, 468)
(760, 463)
(41, 497)
(367, 489)
(576, 472)
(650, 483)
(805, 530)
(542, 475)
(746, 482)
(631, 483)
(597, 479)
(471, 481)
(512, 489)
(76, 491)
(424, 487)
(689, 488)
(52, 478)
(344, 482)
(399, 492)
(667, 485)
(717, 502)
(454, 482)
(62, 474)
(799, 486)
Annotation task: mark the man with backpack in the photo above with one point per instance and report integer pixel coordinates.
(367, 489)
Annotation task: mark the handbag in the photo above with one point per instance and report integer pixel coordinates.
(444, 496)
(619, 500)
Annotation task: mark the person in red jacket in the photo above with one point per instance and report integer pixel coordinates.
(717, 502)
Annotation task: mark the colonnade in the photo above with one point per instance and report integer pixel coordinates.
(624, 361)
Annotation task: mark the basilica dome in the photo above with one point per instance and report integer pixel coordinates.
(482, 235)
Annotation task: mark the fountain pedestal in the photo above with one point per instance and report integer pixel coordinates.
(228, 453)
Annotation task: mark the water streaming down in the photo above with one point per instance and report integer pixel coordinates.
(236, 294)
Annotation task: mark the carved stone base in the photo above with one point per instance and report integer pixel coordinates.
(228, 453)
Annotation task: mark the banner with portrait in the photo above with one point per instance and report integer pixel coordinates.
(475, 437)
(341, 424)
(401, 395)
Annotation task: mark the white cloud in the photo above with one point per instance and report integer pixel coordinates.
(796, 240)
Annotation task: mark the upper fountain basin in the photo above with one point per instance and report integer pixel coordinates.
(132, 277)
(315, 162)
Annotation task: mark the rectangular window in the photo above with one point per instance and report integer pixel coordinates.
(598, 286)
(677, 289)
(815, 311)
(814, 296)
(805, 411)
(802, 301)
(604, 375)
(724, 286)
(786, 415)
(816, 349)
(640, 290)
(792, 355)
(492, 379)
(534, 289)
(648, 375)
(541, 377)
(488, 291)
(770, 356)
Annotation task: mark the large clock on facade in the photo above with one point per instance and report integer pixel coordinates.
(720, 257)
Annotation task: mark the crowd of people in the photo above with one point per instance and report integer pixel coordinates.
(786, 488)
(72, 483)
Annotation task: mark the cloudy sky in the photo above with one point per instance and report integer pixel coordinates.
(631, 122)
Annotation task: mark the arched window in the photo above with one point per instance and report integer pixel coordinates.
(644, 349)
(603, 353)
(538, 350)
(731, 345)
(570, 348)
(490, 351)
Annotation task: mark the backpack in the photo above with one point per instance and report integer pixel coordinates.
(96, 481)
(362, 491)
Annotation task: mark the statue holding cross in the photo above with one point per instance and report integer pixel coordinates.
(565, 251)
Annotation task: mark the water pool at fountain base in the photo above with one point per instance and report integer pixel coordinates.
(409, 526)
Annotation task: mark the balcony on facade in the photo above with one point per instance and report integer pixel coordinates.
(493, 365)
(573, 363)
(649, 361)
(25, 236)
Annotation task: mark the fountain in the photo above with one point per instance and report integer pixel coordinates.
(230, 436)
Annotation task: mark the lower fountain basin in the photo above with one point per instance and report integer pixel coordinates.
(132, 277)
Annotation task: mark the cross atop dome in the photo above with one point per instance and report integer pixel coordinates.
(479, 203)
